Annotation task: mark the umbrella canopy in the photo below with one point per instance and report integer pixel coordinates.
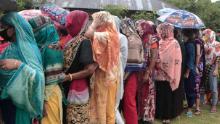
(183, 19)
(8, 5)
(165, 11)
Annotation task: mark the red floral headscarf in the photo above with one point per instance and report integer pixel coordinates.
(76, 22)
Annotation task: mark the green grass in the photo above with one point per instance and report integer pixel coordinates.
(205, 118)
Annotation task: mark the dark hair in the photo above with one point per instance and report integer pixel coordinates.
(63, 32)
(196, 32)
(154, 29)
(189, 33)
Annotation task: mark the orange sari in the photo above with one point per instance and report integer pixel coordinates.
(106, 78)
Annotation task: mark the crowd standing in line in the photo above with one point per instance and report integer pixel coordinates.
(104, 72)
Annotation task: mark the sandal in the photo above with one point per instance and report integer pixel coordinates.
(197, 112)
(166, 122)
(213, 109)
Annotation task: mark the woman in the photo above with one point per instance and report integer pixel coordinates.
(46, 34)
(212, 61)
(105, 80)
(167, 74)
(200, 68)
(79, 66)
(123, 61)
(21, 73)
(190, 71)
(146, 89)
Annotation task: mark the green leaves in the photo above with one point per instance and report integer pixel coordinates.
(117, 10)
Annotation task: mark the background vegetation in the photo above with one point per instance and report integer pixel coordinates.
(209, 12)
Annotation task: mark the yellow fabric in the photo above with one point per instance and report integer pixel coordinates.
(53, 106)
(103, 97)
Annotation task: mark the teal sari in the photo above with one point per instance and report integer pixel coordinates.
(24, 86)
(45, 35)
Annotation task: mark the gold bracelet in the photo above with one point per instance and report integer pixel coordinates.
(71, 77)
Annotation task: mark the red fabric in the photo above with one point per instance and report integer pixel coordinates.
(129, 100)
(3, 46)
(76, 21)
(143, 92)
(79, 85)
(64, 40)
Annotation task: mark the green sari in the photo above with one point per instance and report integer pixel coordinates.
(24, 86)
(46, 34)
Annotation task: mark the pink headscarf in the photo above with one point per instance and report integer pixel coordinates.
(144, 28)
(212, 47)
(170, 55)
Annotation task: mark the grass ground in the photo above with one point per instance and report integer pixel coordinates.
(205, 118)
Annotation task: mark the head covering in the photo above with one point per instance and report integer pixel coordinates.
(209, 36)
(24, 39)
(106, 45)
(46, 34)
(165, 31)
(144, 29)
(170, 63)
(76, 22)
(24, 86)
(29, 14)
(211, 45)
(44, 31)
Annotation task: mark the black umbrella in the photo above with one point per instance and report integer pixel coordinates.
(8, 5)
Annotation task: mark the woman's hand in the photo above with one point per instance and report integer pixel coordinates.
(146, 76)
(55, 46)
(197, 70)
(44, 109)
(67, 78)
(186, 75)
(215, 73)
(9, 64)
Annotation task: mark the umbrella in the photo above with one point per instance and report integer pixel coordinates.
(182, 19)
(165, 11)
(8, 5)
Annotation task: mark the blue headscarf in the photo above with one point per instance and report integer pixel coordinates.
(24, 86)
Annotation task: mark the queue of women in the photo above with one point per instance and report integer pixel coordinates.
(77, 74)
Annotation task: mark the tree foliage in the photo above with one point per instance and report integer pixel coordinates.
(117, 10)
(209, 12)
(143, 15)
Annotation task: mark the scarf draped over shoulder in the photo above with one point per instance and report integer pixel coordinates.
(106, 44)
(170, 55)
(24, 86)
